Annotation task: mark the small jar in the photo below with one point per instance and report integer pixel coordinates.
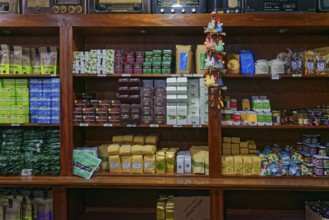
(260, 118)
(277, 66)
(236, 118)
(245, 105)
(261, 67)
(234, 104)
(268, 119)
(276, 117)
(284, 117)
(227, 100)
(300, 118)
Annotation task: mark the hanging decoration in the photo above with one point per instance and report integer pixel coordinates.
(214, 63)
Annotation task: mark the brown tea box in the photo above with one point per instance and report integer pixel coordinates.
(243, 144)
(236, 140)
(227, 140)
(252, 146)
(244, 150)
(227, 151)
(235, 146)
(226, 145)
(252, 151)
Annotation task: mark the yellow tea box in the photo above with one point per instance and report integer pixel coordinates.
(247, 165)
(226, 145)
(238, 165)
(227, 139)
(198, 161)
(128, 139)
(149, 163)
(206, 164)
(229, 165)
(252, 151)
(256, 165)
(235, 146)
(113, 149)
(137, 164)
(136, 149)
(161, 162)
(244, 150)
(115, 164)
(236, 140)
(139, 139)
(152, 139)
(149, 149)
(125, 149)
(170, 162)
(244, 144)
(126, 164)
(223, 165)
(117, 139)
(227, 151)
(161, 210)
(236, 152)
(103, 155)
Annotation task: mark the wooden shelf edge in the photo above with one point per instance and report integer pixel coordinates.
(136, 75)
(135, 126)
(274, 127)
(29, 125)
(28, 76)
(268, 76)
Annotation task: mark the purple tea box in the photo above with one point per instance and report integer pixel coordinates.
(114, 119)
(160, 92)
(148, 83)
(88, 111)
(113, 111)
(160, 110)
(123, 90)
(159, 83)
(89, 118)
(101, 111)
(147, 119)
(147, 101)
(147, 110)
(147, 92)
(124, 99)
(160, 119)
(134, 90)
(134, 82)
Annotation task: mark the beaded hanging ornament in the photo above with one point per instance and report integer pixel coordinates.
(214, 62)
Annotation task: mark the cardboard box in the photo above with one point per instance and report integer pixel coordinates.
(252, 151)
(227, 151)
(187, 162)
(226, 145)
(244, 150)
(243, 144)
(194, 110)
(171, 90)
(227, 139)
(235, 152)
(171, 81)
(182, 90)
(196, 207)
(193, 119)
(310, 214)
(180, 163)
(235, 146)
(181, 114)
(181, 81)
(252, 146)
(171, 115)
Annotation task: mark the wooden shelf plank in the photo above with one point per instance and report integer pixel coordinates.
(137, 75)
(29, 125)
(28, 76)
(137, 126)
(107, 174)
(268, 76)
(274, 127)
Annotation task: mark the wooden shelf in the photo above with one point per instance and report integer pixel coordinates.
(186, 175)
(29, 125)
(137, 126)
(137, 75)
(28, 76)
(274, 127)
(268, 76)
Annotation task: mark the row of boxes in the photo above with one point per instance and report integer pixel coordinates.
(234, 146)
(241, 165)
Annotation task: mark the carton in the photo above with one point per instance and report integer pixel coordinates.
(196, 207)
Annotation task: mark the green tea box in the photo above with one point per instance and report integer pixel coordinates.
(4, 119)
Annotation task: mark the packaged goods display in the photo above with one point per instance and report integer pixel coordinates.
(21, 60)
(140, 154)
(25, 203)
(30, 152)
(257, 111)
(109, 61)
(45, 101)
(307, 158)
(317, 210)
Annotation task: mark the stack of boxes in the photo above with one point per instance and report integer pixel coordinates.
(14, 101)
(204, 110)
(234, 146)
(193, 102)
(241, 165)
(157, 62)
(184, 162)
(45, 101)
(160, 101)
(99, 62)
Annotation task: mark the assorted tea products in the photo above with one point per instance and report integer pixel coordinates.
(234, 146)
(241, 165)
(20, 60)
(37, 151)
(109, 61)
(24, 203)
(85, 162)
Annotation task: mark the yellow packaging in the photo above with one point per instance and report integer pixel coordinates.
(223, 165)
(227, 151)
(136, 149)
(252, 146)
(235, 146)
(244, 150)
(236, 152)
(206, 163)
(170, 210)
(229, 165)
(170, 162)
(198, 162)
(152, 139)
(128, 139)
(103, 155)
(161, 210)
(244, 144)
(238, 165)
(233, 64)
(236, 140)
(139, 139)
(148, 149)
(118, 139)
(252, 151)
(226, 145)
(161, 162)
(126, 164)
(149, 163)
(247, 165)
(137, 164)
(256, 165)
(125, 149)
(113, 149)
(227, 139)
(184, 59)
(115, 164)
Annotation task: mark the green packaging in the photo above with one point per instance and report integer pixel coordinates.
(8, 83)
(22, 92)
(19, 119)
(5, 109)
(84, 164)
(167, 56)
(166, 68)
(26, 61)
(7, 101)
(19, 110)
(157, 56)
(4, 93)
(4, 119)
(147, 68)
(148, 56)
(22, 101)
(22, 83)
(156, 69)
(4, 59)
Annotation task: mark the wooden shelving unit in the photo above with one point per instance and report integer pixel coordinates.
(76, 198)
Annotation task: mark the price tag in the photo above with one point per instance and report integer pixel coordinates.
(296, 75)
(83, 124)
(198, 75)
(197, 126)
(131, 125)
(275, 76)
(101, 75)
(15, 125)
(107, 125)
(175, 75)
(26, 172)
(178, 126)
(53, 75)
(154, 125)
(188, 75)
(126, 75)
